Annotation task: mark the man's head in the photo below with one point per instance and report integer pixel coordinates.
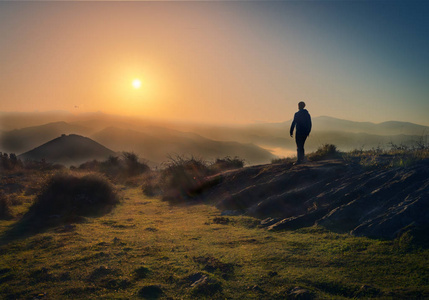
(301, 105)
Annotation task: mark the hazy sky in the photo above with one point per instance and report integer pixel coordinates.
(218, 61)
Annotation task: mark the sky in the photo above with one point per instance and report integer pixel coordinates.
(218, 62)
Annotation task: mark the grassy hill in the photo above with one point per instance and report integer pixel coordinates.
(147, 248)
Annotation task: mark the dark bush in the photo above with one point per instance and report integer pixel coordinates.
(117, 168)
(92, 165)
(227, 163)
(9, 162)
(182, 178)
(5, 211)
(42, 165)
(132, 164)
(151, 184)
(66, 198)
(326, 151)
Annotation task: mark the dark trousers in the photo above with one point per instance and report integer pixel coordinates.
(300, 140)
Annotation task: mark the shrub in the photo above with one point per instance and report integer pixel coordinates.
(182, 177)
(151, 184)
(117, 168)
(227, 163)
(285, 160)
(92, 165)
(326, 151)
(132, 164)
(5, 211)
(9, 162)
(42, 165)
(67, 197)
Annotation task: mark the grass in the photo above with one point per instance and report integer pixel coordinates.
(395, 156)
(326, 151)
(148, 248)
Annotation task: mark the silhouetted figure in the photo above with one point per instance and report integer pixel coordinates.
(302, 121)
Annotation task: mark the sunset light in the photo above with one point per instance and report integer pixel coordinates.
(234, 62)
(214, 149)
(137, 83)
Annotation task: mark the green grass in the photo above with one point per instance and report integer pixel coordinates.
(147, 242)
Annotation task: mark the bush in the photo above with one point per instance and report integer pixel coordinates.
(183, 177)
(133, 166)
(66, 197)
(5, 211)
(92, 165)
(9, 162)
(326, 151)
(151, 184)
(117, 168)
(227, 163)
(285, 160)
(42, 165)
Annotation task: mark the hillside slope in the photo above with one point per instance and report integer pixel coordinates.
(69, 149)
(340, 196)
(149, 249)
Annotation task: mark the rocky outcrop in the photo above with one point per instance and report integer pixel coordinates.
(341, 196)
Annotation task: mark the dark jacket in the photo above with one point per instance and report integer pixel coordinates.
(302, 121)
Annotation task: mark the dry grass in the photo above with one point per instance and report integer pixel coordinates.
(148, 247)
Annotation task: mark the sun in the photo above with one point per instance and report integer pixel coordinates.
(137, 83)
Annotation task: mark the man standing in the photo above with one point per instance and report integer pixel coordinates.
(302, 121)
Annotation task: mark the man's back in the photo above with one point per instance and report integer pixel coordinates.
(302, 121)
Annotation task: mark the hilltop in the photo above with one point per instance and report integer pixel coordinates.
(342, 196)
(67, 150)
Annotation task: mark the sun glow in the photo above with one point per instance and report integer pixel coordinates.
(137, 83)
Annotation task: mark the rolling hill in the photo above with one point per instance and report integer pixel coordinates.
(154, 140)
(156, 144)
(68, 150)
(21, 140)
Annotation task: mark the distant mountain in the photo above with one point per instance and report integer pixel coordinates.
(347, 135)
(157, 143)
(386, 128)
(16, 120)
(320, 124)
(154, 140)
(21, 140)
(68, 150)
